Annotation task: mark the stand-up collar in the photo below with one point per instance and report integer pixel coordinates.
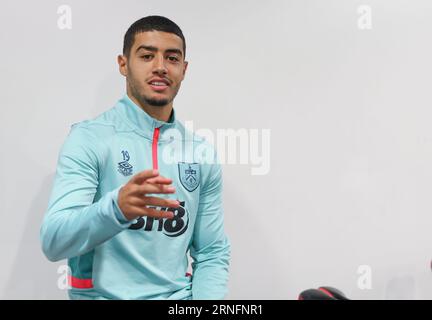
(140, 119)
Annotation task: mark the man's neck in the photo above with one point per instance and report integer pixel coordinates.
(159, 113)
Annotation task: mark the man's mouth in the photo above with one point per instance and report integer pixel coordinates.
(159, 84)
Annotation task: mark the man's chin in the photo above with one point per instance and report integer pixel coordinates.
(157, 102)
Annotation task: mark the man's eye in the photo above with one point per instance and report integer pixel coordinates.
(173, 58)
(146, 56)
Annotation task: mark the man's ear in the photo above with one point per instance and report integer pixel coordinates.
(122, 62)
(185, 67)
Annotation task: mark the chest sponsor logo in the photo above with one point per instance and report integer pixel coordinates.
(173, 227)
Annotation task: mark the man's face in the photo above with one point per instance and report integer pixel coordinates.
(155, 67)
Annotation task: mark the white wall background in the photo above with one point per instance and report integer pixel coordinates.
(349, 112)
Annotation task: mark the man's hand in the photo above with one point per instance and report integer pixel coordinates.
(133, 200)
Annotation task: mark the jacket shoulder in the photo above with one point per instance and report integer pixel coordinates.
(103, 126)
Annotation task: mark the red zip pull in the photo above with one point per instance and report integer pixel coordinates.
(154, 148)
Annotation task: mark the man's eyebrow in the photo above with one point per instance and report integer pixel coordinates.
(154, 49)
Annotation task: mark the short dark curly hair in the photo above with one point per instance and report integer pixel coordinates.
(151, 23)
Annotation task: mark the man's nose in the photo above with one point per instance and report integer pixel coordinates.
(159, 65)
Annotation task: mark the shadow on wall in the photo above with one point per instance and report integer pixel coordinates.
(249, 242)
(401, 288)
(110, 89)
(33, 276)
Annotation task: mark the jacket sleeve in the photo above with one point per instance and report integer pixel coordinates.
(74, 224)
(210, 249)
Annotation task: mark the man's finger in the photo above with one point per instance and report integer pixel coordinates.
(142, 176)
(160, 202)
(154, 188)
(159, 213)
(159, 180)
(143, 202)
(150, 212)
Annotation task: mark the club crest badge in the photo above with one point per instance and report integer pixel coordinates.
(189, 174)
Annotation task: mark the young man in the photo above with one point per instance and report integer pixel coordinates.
(122, 212)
